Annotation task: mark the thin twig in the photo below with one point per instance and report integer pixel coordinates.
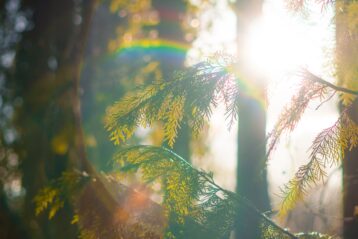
(329, 98)
(330, 85)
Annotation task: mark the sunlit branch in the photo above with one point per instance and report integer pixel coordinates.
(250, 205)
(315, 78)
(239, 198)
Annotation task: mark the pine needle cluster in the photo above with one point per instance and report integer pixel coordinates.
(292, 113)
(193, 198)
(189, 97)
(327, 149)
(60, 191)
(192, 202)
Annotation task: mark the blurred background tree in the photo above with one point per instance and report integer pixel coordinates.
(347, 74)
(251, 171)
(46, 78)
(46, 47)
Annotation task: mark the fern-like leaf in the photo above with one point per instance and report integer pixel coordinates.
(54, 196)
(293, 112)
(192, 196)
(327, 149)
(188, 97)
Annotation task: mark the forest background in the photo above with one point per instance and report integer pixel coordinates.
(64, 63)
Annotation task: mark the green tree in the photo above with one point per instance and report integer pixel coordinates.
(170, 28)
(48, 121)
(192, 94)
(336, 144)
(151, 37)
(194, 200)
(99, 206)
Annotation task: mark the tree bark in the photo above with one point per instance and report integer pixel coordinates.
(251, 166)
(350, 186)
(11, 226)
(347, 65)
(50, 127)
(48, 65)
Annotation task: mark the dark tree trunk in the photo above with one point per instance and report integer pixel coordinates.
(251, 169)
(48, 64)
(11, 226)
(251, 166)
(347, 65)
(48, 71)
(350, 186)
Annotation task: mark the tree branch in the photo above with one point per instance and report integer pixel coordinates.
(252, 207)
(315, 78)
(236, 196)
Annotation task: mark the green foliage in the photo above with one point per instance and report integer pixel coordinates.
(191, 95)
(192, 196)
(188, 97)
(58, 192)
(347, 47)
(292, 113)
(193, 203)
(327, 148)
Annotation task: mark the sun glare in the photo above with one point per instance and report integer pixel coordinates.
(278, 44)
(271, 47)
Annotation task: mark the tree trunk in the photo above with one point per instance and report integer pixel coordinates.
(48, 65)
(251, 166)
(350, 186)
(49, 122)
(11, 226)
(347, 65)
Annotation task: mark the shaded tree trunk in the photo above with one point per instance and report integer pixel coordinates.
(11, 226)
(251, 166)
(347, 65)
(48, 65)
(350, 186)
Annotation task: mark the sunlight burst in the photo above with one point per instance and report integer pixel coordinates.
(278, 44)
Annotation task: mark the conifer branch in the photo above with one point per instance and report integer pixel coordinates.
(327, 149)
(312, 87)
(252, 207)
(205, 200)
(292, 113)
(189, 96)
(315, 78)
